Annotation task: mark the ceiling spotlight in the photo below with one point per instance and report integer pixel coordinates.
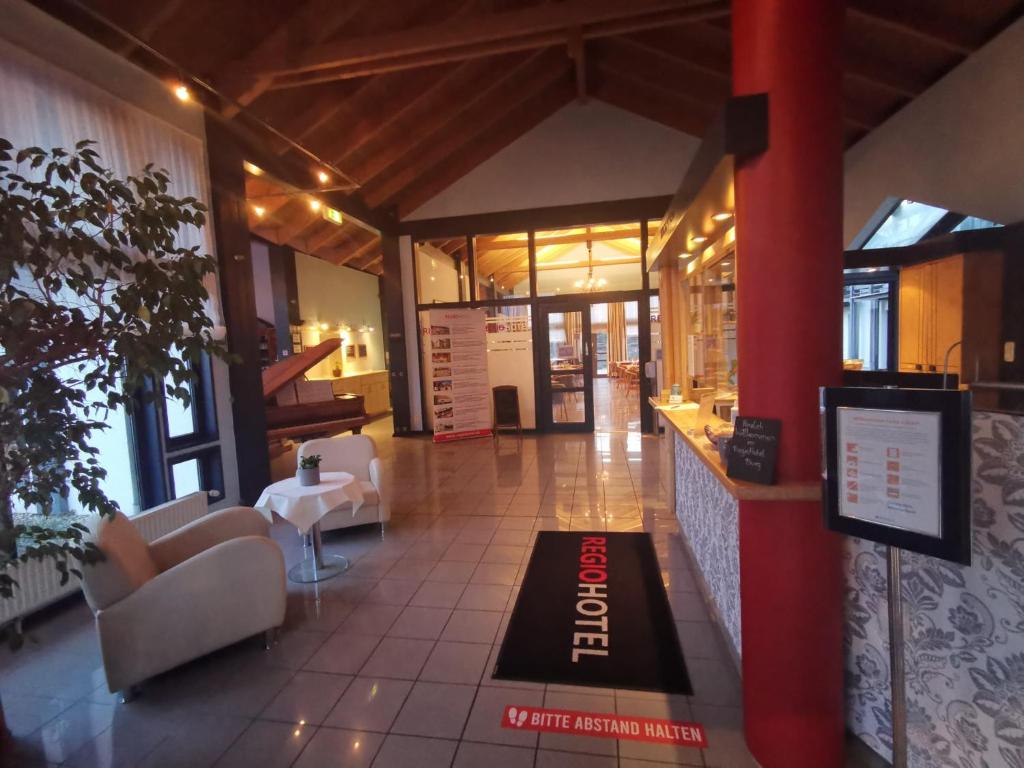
(322, 177)
(698, 239)
(314, 204)
(259, 210)
(685, 255)
(182, 92)
(724, 216)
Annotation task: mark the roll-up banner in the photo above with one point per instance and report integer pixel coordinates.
(459, 394)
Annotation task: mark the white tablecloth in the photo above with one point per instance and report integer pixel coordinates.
(302, 506)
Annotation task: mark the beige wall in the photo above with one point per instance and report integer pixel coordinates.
(339, 296)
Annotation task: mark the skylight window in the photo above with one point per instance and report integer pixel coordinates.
(908, 223)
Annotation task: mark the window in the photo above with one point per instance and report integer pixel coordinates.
(502, 266)
(196, 471)
(589, 259)
(442, 272)
(868, 324)
(193, 423)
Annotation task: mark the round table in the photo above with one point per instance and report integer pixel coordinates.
(303, 506)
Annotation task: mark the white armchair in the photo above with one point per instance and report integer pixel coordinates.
(207, 585)
(357, 455)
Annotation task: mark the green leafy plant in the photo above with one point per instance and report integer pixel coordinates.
(310, 462)
(97, 298)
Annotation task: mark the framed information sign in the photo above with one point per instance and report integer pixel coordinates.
(897, 468)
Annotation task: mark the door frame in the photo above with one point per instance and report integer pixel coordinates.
(542, 366)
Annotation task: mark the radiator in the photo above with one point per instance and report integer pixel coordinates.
(39, 583)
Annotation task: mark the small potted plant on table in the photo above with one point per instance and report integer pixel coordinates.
(309, 470)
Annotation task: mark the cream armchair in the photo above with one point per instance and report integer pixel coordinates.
(209, 584)
(357, 455)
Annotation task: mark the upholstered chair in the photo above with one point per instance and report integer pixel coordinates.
(357, 455)
(207, 585)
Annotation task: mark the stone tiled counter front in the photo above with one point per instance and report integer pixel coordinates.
(706, 502)
(709, 517)
(965, 643)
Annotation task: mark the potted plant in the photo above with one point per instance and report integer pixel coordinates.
(97, 299)
(309, 470)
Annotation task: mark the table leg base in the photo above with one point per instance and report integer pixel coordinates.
(308, 572)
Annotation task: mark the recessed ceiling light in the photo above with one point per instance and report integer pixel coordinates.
(182, 92)
(698, 239)
(723, 216)
(322, 177)
(259, 210)
(314, 204)
(685, 255)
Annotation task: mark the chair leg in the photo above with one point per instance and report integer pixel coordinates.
(129, 694)
(269, 638)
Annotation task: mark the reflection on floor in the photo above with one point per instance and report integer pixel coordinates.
(616, 406)
(389, 665)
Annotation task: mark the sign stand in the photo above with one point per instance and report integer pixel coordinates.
(897, 676)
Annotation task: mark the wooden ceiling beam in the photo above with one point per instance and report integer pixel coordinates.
(330, 234)
(359, 251)
(920, 23)
(418, 116)
(492, 87)
(578, 54)
(484, 112)
(658, 104)
(311, 22)
(576, 237)
(521, 119)
(155, 18)
(536, 26)
(661, 70)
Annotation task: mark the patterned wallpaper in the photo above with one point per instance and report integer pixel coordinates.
(965, 654)
(709, 517)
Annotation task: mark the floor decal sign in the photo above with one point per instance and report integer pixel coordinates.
(604, 726)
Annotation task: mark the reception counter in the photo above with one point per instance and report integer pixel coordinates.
(961, 614)
(706, 503)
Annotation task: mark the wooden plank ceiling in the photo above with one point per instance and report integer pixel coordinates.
(407, 97)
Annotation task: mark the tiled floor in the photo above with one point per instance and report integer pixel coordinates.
(389, 665)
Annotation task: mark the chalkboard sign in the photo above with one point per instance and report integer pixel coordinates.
(506, 408)
(754, 449)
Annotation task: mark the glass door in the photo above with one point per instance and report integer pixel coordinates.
(567, 376)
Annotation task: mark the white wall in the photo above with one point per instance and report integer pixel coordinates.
(960, 145)
(582, 153)
(340, 296)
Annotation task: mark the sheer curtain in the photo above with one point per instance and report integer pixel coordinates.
(616, 333)
(48, 107)
(574, 332)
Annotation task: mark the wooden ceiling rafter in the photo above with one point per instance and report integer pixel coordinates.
(418, 117)
(916, 23)
(535, 26)
(479, 114)
(311, 22)
(527, 115)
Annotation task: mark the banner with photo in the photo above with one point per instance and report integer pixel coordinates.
(458, 393)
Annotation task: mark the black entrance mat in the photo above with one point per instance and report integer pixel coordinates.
(598, 597)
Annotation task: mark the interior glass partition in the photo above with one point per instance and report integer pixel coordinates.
(589, 259)
(502, 266)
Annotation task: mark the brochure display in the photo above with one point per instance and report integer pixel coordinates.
(455, 350)
(897, 471)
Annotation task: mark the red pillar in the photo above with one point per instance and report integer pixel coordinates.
(789, 293)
